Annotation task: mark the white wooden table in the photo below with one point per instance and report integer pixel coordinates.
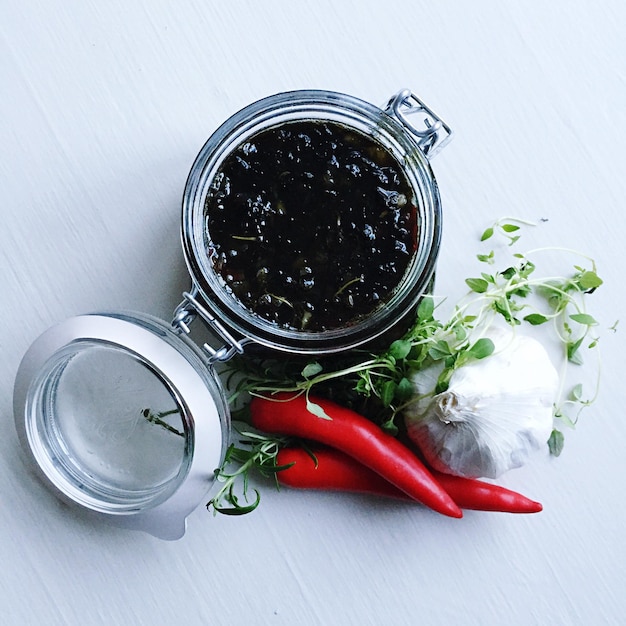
(103, 108)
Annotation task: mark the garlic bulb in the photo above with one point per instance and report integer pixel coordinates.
(495, 412)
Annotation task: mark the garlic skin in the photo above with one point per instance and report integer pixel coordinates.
(494, 414)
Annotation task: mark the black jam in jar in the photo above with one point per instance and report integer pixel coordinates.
(311, 225)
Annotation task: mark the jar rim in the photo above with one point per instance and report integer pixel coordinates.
(353, 113)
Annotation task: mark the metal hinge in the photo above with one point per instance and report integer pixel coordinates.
(434, 134)
(190, 308)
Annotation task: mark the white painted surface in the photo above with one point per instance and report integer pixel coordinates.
(103, 107)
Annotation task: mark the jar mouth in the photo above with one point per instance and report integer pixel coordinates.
(353, 114)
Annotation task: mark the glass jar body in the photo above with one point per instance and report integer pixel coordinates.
(394, 136)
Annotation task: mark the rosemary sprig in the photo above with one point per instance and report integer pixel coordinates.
(258, 455)
(157, 418)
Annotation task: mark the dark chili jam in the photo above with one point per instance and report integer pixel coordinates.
(311, 225)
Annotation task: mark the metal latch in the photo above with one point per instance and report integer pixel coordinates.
(434, 134)
(190, 308)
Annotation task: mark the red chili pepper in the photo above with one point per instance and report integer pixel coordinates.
(333, 470)
(357, 437)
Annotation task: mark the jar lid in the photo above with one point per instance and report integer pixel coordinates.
(120, 415)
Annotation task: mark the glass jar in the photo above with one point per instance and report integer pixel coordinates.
(123, 415)
(391, 128)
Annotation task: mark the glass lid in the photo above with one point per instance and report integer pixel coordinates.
(121, 415)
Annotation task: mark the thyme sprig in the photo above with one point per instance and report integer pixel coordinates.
(379, 384)
(515, 295)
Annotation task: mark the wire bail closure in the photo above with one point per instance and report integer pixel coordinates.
(187, 311)
(434, 135)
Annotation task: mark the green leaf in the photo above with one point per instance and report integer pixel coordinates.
(400, 349)
(426, 309)
(390, 427)
(482, 348)
(521, 291)
(584, 318)
(417, 355)
(460, 332)
(439, 351)
(363, 386)
(509, 228)
(444, 380)
(311, 369)
(536, 319)
(404, 390)
(589, 280)
(486, 258)
(487, 233)
(576, 394)
(505, 311)
(478, 285)
(388, 391)
(317, 410)
(573, 356)
(555, 443)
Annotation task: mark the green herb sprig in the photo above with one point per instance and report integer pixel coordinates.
(559, 300)
(379, 384)
(514, 294)
(157, 418)
(258, 454)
